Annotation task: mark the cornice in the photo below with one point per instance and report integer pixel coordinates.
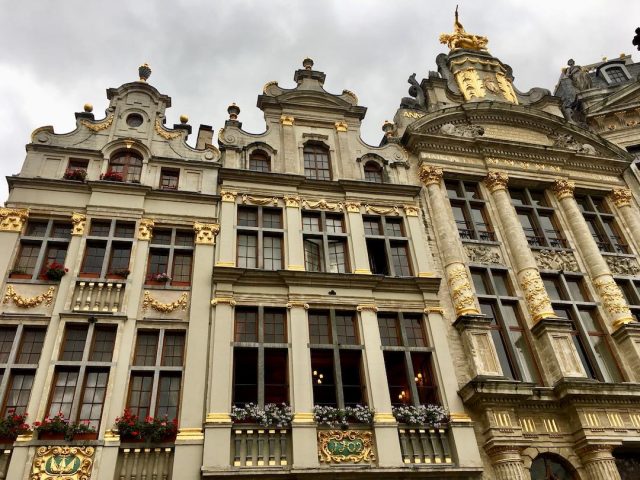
(239, 175)
(48, 183)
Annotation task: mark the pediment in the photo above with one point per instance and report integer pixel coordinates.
(627, 97)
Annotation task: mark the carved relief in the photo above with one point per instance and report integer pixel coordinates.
(461, 292)
(164, 133)
(483, 354)
(565, 349)
(79, 221)
(566, 141)
(28, 302)
(64, 463)
(96, 127)
(223, 301)
(286, 120)
(622, 265)
(430, 175)
(371, 307)
(621, 197)
(150, 302)
(292, 201)
(395, 210)
(295, 304)
(556, 260)
(563, 188)
(411, 210)
(506, 88)
(466, 131)
(538, 302)
(206, 232)
(259, 200)
(145, 229)
(469, 83)
(228, 196)
(13, 219)
(321, 204)
(341, 126)
(352, 207)
(483, 254)
(496, 180)
(611, 295)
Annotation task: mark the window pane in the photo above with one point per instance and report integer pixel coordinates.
(589, 320)
(247, 251)
(104, 340)
(31, 346)
(140, 393)
(479, 282)
(313, 255)
(158, 261)
(414, 331)
(393, 227)
(61, 230)
(93, 258)
(173, 352)
(501, 350)
(423, 377)
(64, 386)
(324, 388)
(36, 229)
(525, 361)
(452, 189)
(350, 368)
(259, 161)
(95, 389)
(161, 237)
(120, 254)
(55, 253)
(181, 271)
(276, 388)
(400, 257)
(372, 172)
(168, 395)
(74, 340)
(319, 328)
(372, 226)
(146, 348)
(274, 327)
(184, 239)
(510, 315)
(551, 286)
(605, 359)
(19, 391)
(7, 335)
(337, 256)
(334, 224)
(246, 326)
(245, 375)
(169, 179)
(389, 334)
(272, 252)
(272, 218)
(501, 281)
(125, 229)
(247, 217)
(517, 197)
(378, 256)
(586, 363)
(316, 162)
(311, 223)
(346, 329)
(99, 228)
(27, 258)
(396, 368)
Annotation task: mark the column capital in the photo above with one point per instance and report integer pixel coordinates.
(371, 307)
(223, 301)
(79, 221)
(430, 175)
(411, 210)
(206, 232)
(563, 188)
(496, 180)
(292, 201)
(621, 197)
(352, 207)
(287, 120)
(145, 229)
(341, 126)
(13, 219)
(228, 196)
(297, 304)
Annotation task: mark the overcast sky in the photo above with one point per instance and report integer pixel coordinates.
(58, 55)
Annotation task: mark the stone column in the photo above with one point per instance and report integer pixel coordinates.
(423, 254)
(449, 243)
(303, 428)
(527, 272)
(385, 425)
(11, 222)
(598, 462)
(622, 199)
(612, 299)
(507, 463)
(227, 245)
(356, 227)
(295, 249)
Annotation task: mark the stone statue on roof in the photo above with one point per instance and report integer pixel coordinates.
(578, 75)
(461, 39)
(417, 99)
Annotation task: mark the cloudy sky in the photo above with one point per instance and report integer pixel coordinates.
(58, 55)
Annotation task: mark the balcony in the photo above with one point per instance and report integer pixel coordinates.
(424, 445)
(144, 462)
(255, 446)
(479, 231)
(98, 297)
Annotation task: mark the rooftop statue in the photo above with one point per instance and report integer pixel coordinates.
(461, 39)
(578, 75)
(417, 99)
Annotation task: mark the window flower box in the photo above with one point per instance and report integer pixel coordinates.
(151, 430)
(119, 273)
(20, 274)
(55, 271)
(78, 174)
(51, 436)
(335, 417)
(161, 278)
(272, 415)
(12, 425)
(112, 176)
(421, 415)
(89, 275)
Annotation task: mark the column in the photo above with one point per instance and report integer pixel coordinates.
(303, 428)
(622, 199)
(424, 258)
(599, 463)
(190, 439)
(295, 249)
(356, 226)
(612, 299)
(385, 425)
(527, 272)
(507, 463)
(226, 250)
(11, 222)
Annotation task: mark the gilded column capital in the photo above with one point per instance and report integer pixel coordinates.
(297, 304)
(352, 207)
(292, 201)
(287, 120)
(341, 126)
(79, 221)
(206, 232)
(223, 301)
(371, 307)
(410, 210)
(430, 175)
(563, 188)
(621, 197)
(13, 219)
(228, 196)
(145, 229)
(496, 180)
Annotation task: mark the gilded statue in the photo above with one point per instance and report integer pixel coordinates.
(461, 39)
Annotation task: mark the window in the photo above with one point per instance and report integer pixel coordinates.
(259, 161)
(156, 373)
(373, 172)
(78, 164)
(260, 356)
(42, 243)
(316, 161)
(108, 248)
(407, 359)
(169, 178)
(499, 303)
(570, 300)
(469, 210)
(171, 252)
(387, 246)
(128, 164)
(537, 218)
(602, 224)
(616, 74)
(260, 235)
(325, 242)
(336, 359)
(20, 347)
(134, 120)
(630, 288)
(82, 372)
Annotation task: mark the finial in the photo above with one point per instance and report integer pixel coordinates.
(388, 127)
(88, 107)
(461, 39)
(604, 59)
(233, 111)
(307, 63)
(144, 72)
(184, 119)
(622, 55)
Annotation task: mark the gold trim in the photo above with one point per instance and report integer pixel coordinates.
(429, 310)
(164, 133)
(352, 207)
(96, 127)
(395, 210)
(427, 274)
(621, 197)
(411, 210)
(79, 221)
(341, 126)
(259, 200)
(26, 437)
(13, 219)
(223, 301)
(379, 417)
(206, 233)
(218, 418)
(63, 463)
(292, 201)
(362, 271)
(28, 302)
(296, 268)
(430, 175)
(496, 180)
(145, 229)
(321, 204)
(190, 434)
(111, 436)
(563, 188)
(287, 120)
(226, 264)
(622, 321)
(228, 196)
(372, 307)
(295, 304)
(150, 302)
(339, 436)
(459, 417)
(303, 417)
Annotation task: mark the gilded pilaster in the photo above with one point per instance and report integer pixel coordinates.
(612, 299)
(206, 233)
(536, 297)
(599, 462)
(13, 219)
(623, 201)
(145, 229)
(79, 223)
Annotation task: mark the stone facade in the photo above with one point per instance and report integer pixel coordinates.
(482, 258)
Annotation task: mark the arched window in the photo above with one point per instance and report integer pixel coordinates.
(551, 467)
(373, 172)
(128, 164)
(259, 161)
(316, 161)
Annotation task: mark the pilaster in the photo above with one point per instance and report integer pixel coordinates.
(295, 248)
(226, 255)
(623, 201)
(424, 258)
(507, 463)
(290, 150)
(356, 226)
(11, 223)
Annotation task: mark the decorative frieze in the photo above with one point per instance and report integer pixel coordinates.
(28, 302)
(346, 446)
(79, 222)
(150, 302)
(60, 462)
(99, 126)
(568, 142)
(206, 232)
(322, 205)
(483, 254)
(430, 175)
(464, 131)
(259, 200)
(621, 197)
(556, 260)
(145, 229)
(394, 210)
(13, 219)
(622, 265)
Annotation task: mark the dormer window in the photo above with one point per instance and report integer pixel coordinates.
(259, 161)
(128, 164)
(615, 74)
(373, 172)
(316, 161)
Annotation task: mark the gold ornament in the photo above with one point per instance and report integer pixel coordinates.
(469, 83)
(345, 446)
(371, 307)
(286, 120)
(382, 210)
(341, 126)
(97, 127)
(430, 175)
(352, 207)
(145, 229)
(411, 210)
(228, 196)
(461, 293)
(564, 188)
(506, 88)
(150, 302)
(611, 295)
(461, 39)
(295, 304)
(259, 200)
(62, 463)
(321, 204)
(79, 221)
(538, 302)
(28, 302)
(223, 301)
(164, 133)
(496, 180)
(12, 219)
(621, 197)
(206, 232)
(292, 201)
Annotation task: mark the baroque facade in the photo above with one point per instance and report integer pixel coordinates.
(482, 258)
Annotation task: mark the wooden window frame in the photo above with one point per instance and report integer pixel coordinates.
(167, 172)
(612, 244)
(130, 163)
(171, 249)
(108, 243)
(311, 152)
(388, 240)
(469, 228)
(539, 237)
(325, 238)
(371, 168)
(45, 241)
(260, 232)
(259, 155)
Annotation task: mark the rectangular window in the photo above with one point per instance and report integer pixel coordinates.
(469, 211)
(169, 178)
(602, 224)
(387, 246)
(43, 243)
(537, 218)
(108, 249)
(325, 242)
(170, 253)
(260, 238)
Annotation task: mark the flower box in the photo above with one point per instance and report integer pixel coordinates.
(132, 428)
(24, 276)
(111, 176)
(77, 174)
(85, 436)
(51, 436)
(55, 271)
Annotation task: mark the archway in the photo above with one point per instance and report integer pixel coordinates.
(552, 467)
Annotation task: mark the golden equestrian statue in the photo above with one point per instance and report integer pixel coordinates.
(461, 39)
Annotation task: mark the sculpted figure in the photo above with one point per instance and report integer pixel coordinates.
(417, 99)
(580, 79)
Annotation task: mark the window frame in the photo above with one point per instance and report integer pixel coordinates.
(168, 173)
(259, 155)
(325, 237)
(110, 241)
(473, 230)
(312, 152)
(45, 241)
(260, 232)
(128, 166)
(538, 237)
(371, 167)
(388, 240)
(172, 248)
(596, 219)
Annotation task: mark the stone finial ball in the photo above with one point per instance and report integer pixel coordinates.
(184, 118)
(88, 107)
(307, 63)
(233, 110)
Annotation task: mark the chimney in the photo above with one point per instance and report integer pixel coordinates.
(205, 136)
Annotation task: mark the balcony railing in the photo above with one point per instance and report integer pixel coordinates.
(480, 231)
(612, 245)
(144, 463)
(424, 445)
(98, 297)
(253, 446)
(552, 239)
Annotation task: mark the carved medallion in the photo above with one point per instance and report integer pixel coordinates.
(346, 446)
(62, 463)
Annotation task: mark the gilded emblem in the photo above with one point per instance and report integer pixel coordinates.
(62, 463)
(353, 446)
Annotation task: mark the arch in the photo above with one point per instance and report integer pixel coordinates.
(550, 466)
(127, 163)
(317, 164)
(259, 160)
(373, 172)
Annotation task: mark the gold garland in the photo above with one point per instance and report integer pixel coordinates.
(259, 200)
(165, 134)
(96, 127)
(28, 302)
(395, 210)
(150, 302)
(321, 204)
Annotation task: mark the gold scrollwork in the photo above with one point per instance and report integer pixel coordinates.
(206, 232)
(28, 302)
(461, 293)
(611, 295)
(337, 446)
(469, 83)
(496, 180)
(371, 307)
(296, 304)
(259, 200)
(145, 229)
(431, 309)
(79, 221)
(228, 196)
(164, 133)
(292, 201)
(621, 197)
(506, 88)
(430, 175)
(12, 219)
(150, 302)
(223, 301)
(395, 210)
(63, 463)
(535, 294)
(321, 204)
(96, 127)
(563, 188)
